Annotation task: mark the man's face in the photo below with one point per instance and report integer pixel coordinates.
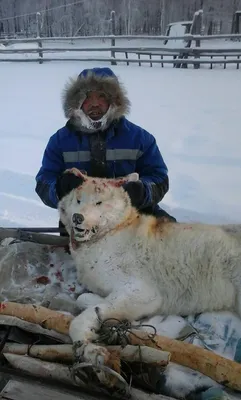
(95, 105)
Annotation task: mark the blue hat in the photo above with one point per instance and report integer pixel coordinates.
(100, 72)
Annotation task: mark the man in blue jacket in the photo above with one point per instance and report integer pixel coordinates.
(99, 140)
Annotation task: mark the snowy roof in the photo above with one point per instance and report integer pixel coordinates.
(180, 23)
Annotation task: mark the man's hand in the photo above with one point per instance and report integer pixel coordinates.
(67, 182)
(136, 192)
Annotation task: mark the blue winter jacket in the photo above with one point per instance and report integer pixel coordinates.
(129, 148)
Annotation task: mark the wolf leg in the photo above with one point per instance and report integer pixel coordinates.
(132, 303)
(86, 300)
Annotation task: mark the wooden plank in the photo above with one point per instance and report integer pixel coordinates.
(130, 49)
(121, 60)
(123, 37)
(15, 390)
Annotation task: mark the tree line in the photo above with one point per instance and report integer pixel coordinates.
(92, 17)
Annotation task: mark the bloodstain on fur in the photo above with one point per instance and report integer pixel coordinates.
(160, 226)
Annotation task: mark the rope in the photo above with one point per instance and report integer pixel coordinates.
(118, 333)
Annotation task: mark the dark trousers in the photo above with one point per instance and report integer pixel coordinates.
(158, 213)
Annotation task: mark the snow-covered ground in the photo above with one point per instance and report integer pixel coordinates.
(194, 115)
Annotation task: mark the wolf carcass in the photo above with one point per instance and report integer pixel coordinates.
(139, 265)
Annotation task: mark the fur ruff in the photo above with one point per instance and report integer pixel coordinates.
(75, 92)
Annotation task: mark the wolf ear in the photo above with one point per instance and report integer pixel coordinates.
(77, 172)
(132, 177)
(128, 178)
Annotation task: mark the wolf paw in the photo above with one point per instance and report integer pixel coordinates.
(91, 355)
(95, 354)
(103, 364)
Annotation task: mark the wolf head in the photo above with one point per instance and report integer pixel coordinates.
(96, 79)
(96, 207)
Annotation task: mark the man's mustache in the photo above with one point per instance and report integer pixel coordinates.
(95, 110)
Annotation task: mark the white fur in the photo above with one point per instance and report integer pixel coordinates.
(84, 122)
(142, 271)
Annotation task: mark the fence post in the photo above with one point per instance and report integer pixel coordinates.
(38, 29)
(150, 60)
(127, 62)
(112, 17)
(139, 58)
(197, 30)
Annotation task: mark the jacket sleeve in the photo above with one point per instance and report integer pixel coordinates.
(153, 172)
(52, 166)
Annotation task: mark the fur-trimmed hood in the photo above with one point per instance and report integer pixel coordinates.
(100, 79)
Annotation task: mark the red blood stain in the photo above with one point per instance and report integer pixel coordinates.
(59, 276)
(44, 280)
(117, 183)
(2, 306)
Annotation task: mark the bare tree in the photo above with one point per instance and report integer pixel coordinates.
(91, 17)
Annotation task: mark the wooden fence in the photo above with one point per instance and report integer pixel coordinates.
(128, 54)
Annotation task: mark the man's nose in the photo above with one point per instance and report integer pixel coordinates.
(94, 98)
(95, 102)
(77, 218)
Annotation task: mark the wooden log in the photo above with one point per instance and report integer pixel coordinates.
(53, 320)
(41, 369)
(64, 353)
(142, 354)
(33, 328)
(50, 370)
(220, 369)
(46, 370)
(53, 352)
(42, 316)
(15, 390)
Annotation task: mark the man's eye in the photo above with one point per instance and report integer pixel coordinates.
(98, 203)
(78, 201)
